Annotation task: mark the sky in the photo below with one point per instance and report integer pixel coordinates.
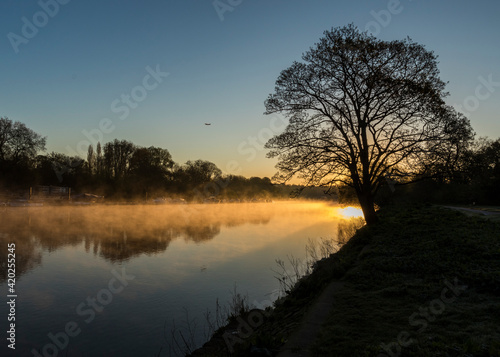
(155, 71)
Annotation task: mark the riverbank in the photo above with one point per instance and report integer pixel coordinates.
(424, 281)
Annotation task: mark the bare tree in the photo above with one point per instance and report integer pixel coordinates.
(91, 160)
(359, 108)
(117, 155)
(98, 160)
(18, 143)
(5, 135)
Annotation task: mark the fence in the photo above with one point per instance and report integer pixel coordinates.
(50, 192)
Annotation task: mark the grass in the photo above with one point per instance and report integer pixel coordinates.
(399, 286)
(425, 281)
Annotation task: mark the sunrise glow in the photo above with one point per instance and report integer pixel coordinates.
(350, 212)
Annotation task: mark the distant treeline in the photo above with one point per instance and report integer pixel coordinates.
(472, 178)
(122, 170)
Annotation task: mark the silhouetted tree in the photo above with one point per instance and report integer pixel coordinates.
(19, 146)
(122, 170)
(480, 170)
(117, 155)
(200, 172)
(99, 160)
(150, 160)
(18, 142)
(196, 178)
(150, 168)
(66, 170)
(91, 160)
(5, 136)
(359, 109)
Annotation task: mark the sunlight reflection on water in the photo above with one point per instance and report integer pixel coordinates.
(350, 212)
(183, 257)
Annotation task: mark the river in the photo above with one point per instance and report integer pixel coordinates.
(122, 280)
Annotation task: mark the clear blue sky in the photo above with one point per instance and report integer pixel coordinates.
(71, 66)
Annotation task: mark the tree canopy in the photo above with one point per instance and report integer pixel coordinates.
(19, 146)
(18, 142)
(359, 109)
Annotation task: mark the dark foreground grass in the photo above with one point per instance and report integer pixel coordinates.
(425, 281)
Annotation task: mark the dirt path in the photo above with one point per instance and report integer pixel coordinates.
(301, 340)
(472, 210)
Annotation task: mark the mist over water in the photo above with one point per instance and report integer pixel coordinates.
(182, 258)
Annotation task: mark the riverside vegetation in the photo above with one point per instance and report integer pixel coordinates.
(425, 280)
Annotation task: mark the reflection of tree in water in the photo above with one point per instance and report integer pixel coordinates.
(116, 233)
(238, 221)
(201, 233)
(124, 248)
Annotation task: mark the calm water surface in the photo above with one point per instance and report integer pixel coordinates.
(113, 280)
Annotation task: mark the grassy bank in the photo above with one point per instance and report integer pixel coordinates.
(424, 281)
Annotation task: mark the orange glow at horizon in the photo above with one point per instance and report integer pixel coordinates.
(351, 212)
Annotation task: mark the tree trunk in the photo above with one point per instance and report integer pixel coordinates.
(368, 207)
